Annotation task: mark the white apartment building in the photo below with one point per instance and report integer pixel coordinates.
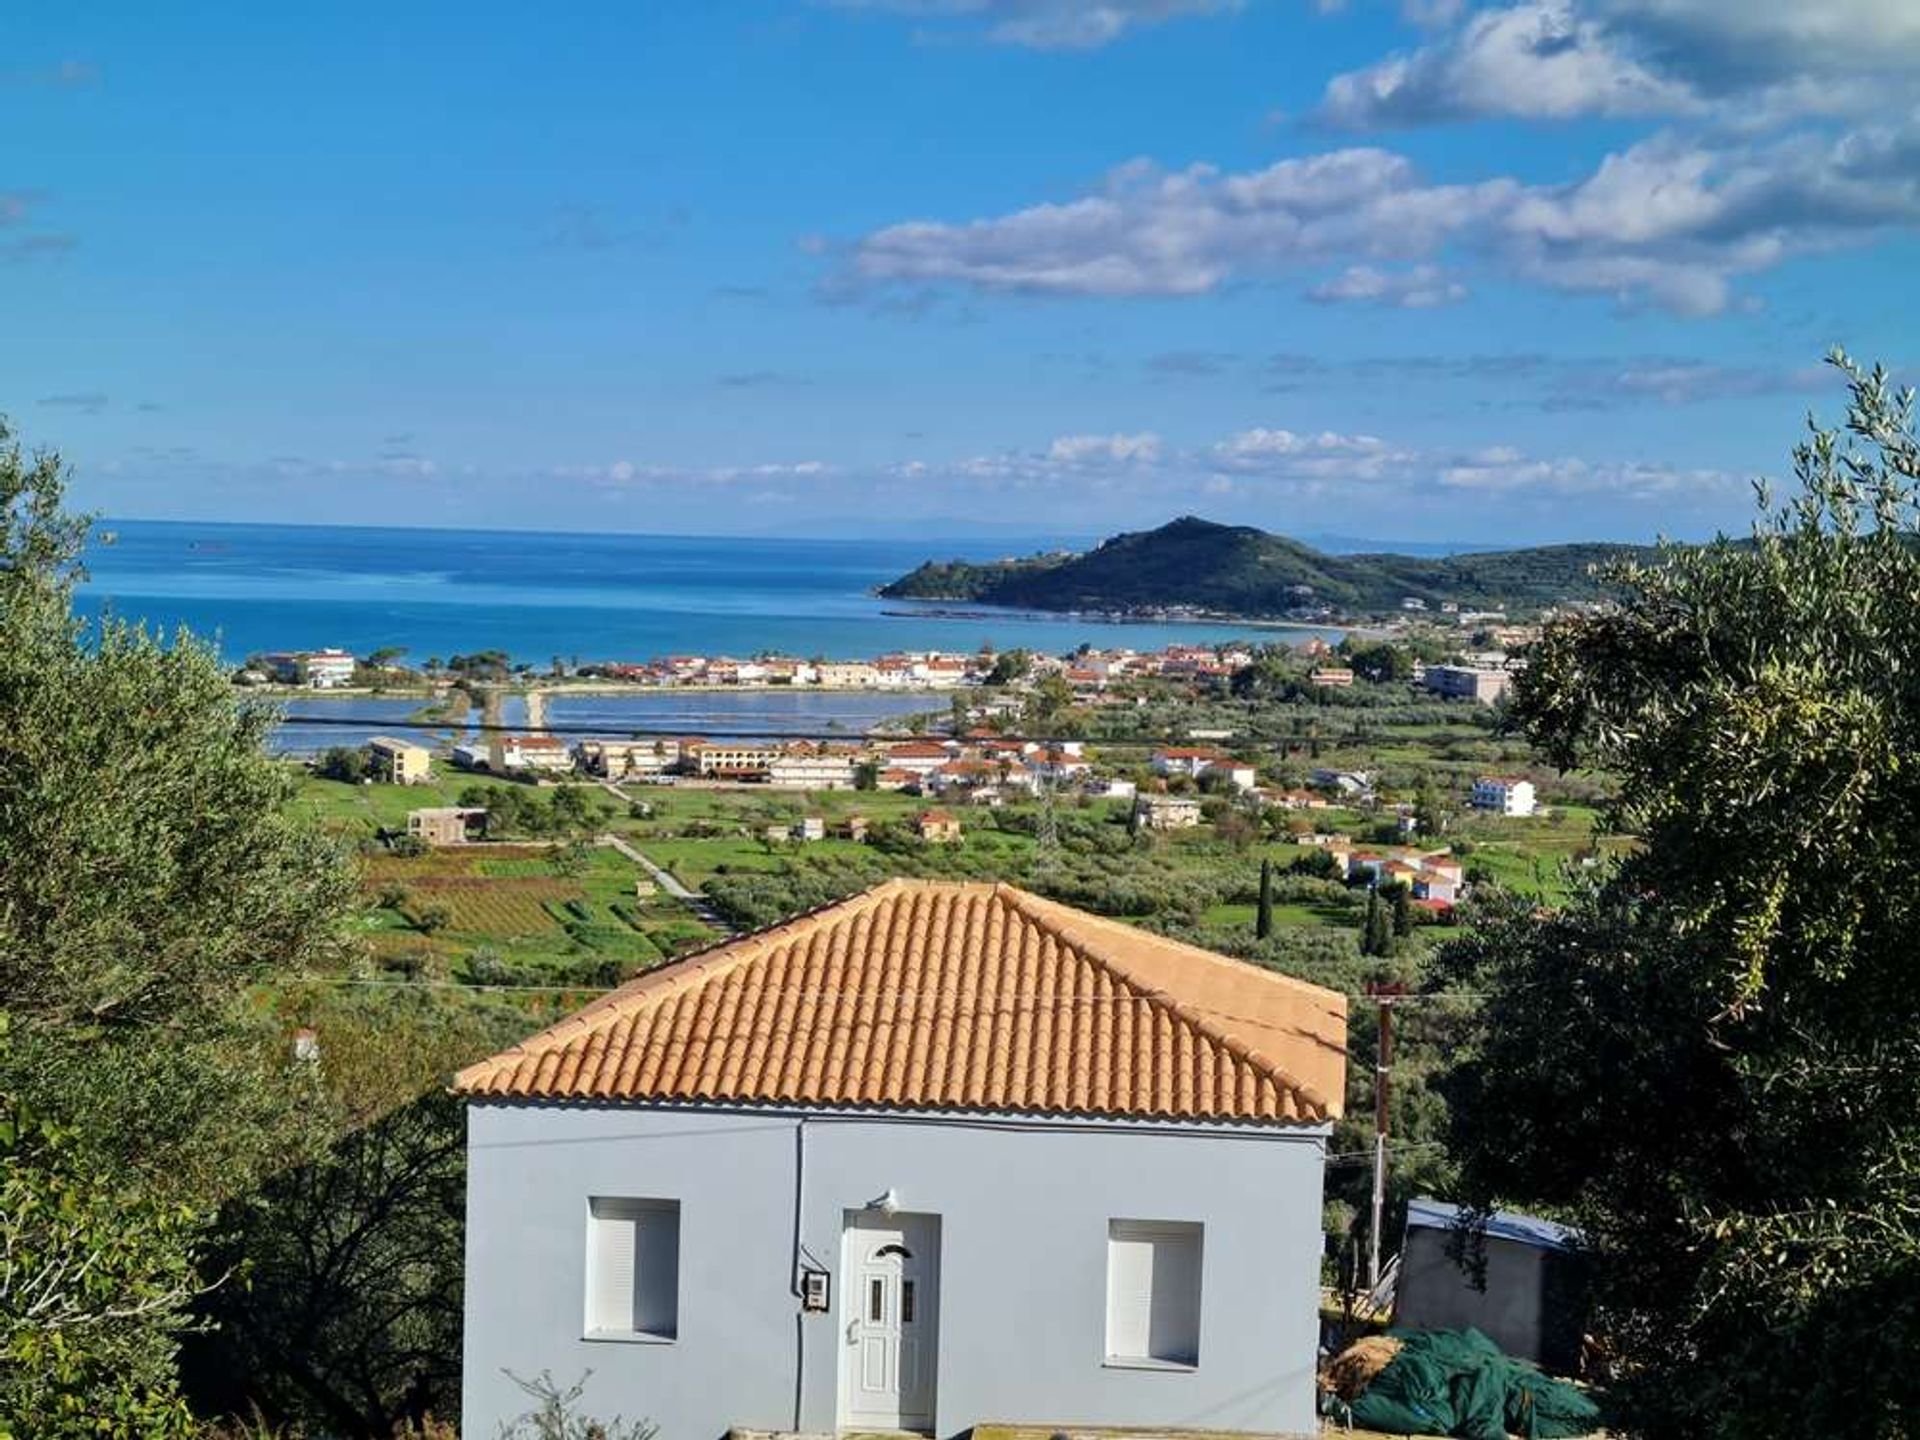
(812, 772)
(1503, 795)
(316, 669)
(846, 675)
(627, 759)
(737, 759)
(519, 754)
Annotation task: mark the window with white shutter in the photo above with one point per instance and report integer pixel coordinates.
(633, 1268)
(1153, 1292)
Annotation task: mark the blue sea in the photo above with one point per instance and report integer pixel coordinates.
(539, 595)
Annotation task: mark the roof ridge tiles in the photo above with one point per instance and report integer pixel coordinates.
(682, 974)
(1197, 1018)
(943, 994)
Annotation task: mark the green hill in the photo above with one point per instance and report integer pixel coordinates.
(1236, 569)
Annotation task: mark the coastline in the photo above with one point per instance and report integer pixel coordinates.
(597, 688)
(959, 608)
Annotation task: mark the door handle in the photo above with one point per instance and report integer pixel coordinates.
(852, 1326)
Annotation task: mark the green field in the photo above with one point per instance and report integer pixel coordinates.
(359, 811)
(509, 915)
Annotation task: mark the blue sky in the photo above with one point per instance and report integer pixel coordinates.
(1427, 271)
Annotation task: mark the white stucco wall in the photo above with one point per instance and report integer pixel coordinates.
(1022, 1298)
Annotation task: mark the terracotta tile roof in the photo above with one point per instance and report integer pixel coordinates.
(943, 995)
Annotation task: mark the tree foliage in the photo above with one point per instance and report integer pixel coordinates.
(150, 874)
(1711, 1058)
(344, 1313)
(1376, 926)
(95, 1280)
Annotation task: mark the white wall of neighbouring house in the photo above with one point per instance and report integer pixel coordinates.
(1024, 1211)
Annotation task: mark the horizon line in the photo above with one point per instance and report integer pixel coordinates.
(103, 522)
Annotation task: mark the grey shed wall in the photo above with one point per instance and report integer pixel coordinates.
(1022, 1297)
(1533, 1306)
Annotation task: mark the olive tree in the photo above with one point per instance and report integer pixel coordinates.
(150, 876)
(1710, 1059)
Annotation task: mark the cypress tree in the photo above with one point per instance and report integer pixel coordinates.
(1263, 922)
(1376, 938)
(1403, 911)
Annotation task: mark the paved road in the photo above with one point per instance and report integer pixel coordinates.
(662, 877)
(701, 907)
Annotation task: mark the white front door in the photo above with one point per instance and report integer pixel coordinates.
(891, 1315)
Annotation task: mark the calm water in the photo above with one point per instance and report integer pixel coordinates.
(592, 597)
(756, 712)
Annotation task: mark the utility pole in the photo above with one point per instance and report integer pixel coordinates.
(1383, 994)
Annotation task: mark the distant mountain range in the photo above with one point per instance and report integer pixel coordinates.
(1194, 564)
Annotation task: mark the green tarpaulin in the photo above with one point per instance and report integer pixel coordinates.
(1456, 1382)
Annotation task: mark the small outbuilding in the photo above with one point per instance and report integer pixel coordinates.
(937, 827)
(1165, 812)
(447, 824)
(1529, 1299)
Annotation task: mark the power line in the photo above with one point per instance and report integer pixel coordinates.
(932, 1000)
(620, 730)
(1355, 1157)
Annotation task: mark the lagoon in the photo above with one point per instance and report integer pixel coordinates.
(760, 713)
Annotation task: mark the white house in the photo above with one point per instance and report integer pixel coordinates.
(1187, 760)
(316, 669)
(627, 759)
(1468, 682)
(1199, 761)
(1165, 812)
(939, 1154)
(922, 757)
(1503, 795)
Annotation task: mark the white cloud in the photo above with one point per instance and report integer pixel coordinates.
(1049, 24)
(1690, 383)
(1419, 288)
(1505, 471)
(628, 472)
(407, 467)
(1729, 44)
(1259, 445)
(1264, 463)
(1740, 62)
(1075, 449)
(1149, 231)
(1540, 59)
(1669, 221)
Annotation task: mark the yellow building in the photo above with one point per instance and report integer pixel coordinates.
(399, 762)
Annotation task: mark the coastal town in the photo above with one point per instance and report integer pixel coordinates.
(1481, 672)
(960, 720)
(1330, 808)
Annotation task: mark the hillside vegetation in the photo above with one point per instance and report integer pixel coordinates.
(1196, 564)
